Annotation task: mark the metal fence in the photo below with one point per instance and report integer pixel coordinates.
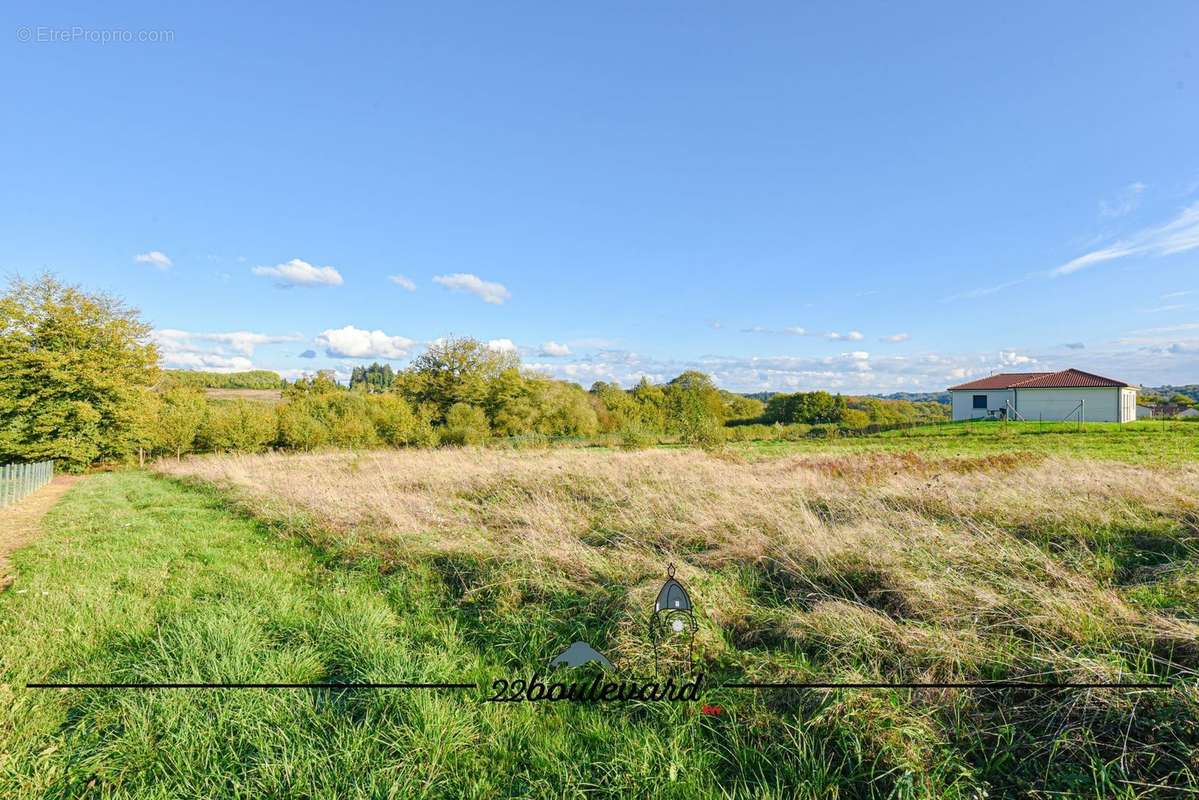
(19, 480)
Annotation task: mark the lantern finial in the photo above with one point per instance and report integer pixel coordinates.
(670, 570)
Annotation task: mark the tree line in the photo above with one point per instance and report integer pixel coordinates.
(79, 383)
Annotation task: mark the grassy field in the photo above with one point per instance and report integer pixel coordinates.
(1145, 442)
(272, 396)
(843, 565)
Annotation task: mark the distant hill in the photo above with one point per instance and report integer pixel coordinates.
(913, 397)
(1191, 390)
(252, 379)
(916, 397)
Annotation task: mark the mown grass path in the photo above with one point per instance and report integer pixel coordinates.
(21, 522)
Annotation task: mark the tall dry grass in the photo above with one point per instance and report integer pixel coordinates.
(884, 563)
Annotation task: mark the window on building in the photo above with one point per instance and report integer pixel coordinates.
(980, 401)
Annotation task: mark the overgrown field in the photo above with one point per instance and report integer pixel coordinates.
(475, 564)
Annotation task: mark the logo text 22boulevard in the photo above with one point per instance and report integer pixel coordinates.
(598, 690)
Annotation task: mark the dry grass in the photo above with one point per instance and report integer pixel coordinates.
(925, 564)
(271, 396)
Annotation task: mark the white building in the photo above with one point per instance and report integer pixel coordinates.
(1070, 394)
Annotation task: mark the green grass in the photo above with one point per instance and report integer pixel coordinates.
(140, 579)
(1143, 442)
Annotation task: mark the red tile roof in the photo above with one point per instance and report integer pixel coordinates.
(1065, 379)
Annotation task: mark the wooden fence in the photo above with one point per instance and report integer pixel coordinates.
(19, 480)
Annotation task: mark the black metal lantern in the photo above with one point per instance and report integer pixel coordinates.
(672, 625)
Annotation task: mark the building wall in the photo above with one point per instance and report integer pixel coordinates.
(1105, 404)
(963, 403)
(1101, 404)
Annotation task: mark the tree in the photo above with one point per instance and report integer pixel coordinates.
(73, 366)
(375, 378)
(240, 426)
(465, 424)
(182, 413)
(454, 371)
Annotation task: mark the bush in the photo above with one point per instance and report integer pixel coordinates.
(394, 421)
(465, 425)
(180, 418)
(637, 437)
(299, 428)
(239, 426)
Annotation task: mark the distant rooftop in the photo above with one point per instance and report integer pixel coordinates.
(1065, 379)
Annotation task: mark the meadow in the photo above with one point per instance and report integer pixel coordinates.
(1152, 442)
(468, 564)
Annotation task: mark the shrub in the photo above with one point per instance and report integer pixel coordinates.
(240, 426)
(179, 420)
(299, 428)
(637, 437)
(394, 421)
(465, 425)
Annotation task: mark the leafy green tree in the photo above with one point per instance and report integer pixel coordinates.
(300, 427)
(180, 417)
(465, 424)
(239, 426)
(73, 366)
(455, 371)
(375, 378)
(564, 409)
(395, 422)
(651, 405)
(853, 418)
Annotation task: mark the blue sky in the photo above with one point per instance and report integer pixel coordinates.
(863, 197)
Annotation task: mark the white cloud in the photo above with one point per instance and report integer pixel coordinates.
(789, 330)
(852, 336)
(244, 342)
(1176, 236)
(300, 273)
(351, 342)
(1123, 203)
(554, 349)
(155, 258)
(895, 337)
(501, 345)
(487, 291)
(1010, 358)
(403, 282)
(180, 350)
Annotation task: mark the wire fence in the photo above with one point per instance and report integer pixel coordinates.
(19, 480)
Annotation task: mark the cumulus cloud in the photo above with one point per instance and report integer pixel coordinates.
(244, 342)
(300, 273)
(554, 349)
(403, 282)
(501, 345)
(852, 336)
(487, 291)
(1010, 358)
(895, 337)
(179, 349)
(351, 342)
(308, 354)
(155, 258)
(221, 352)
